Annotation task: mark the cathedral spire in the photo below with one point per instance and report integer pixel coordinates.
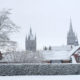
(31, 36)
(71, 29)
(71, 37)
(30, 30)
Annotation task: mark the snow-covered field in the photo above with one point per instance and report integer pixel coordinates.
(63, 77)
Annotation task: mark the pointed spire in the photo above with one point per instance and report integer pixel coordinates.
(30, 37)
(71, 37)
(30, 30)
(71, 29)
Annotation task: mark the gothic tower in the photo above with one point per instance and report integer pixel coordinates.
(30, 42)
(71, 37)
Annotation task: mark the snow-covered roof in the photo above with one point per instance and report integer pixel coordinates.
(74, 50)
(62, 48)
(55, 55)
(59, 53)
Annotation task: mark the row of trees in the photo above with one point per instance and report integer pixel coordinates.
(23, 57)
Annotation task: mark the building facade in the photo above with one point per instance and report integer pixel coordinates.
(71, 37)
(30, 42)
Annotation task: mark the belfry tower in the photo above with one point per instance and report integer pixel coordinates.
(30, 42)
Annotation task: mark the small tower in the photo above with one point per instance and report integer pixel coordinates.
(71, 38)
(30, 42)
(76, 41)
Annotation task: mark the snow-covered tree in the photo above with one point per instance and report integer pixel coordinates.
(7, 26)
(23, 57)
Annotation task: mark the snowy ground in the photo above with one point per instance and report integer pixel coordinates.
(67, 77)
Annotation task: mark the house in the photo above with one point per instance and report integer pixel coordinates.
(62, 55)
(75, 54)
(58, 54)
(56, 57)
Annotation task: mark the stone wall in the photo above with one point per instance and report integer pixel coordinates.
(39, 69)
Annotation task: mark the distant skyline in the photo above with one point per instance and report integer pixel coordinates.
(49, 20)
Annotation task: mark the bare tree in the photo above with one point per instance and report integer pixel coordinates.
(7, 26)
(23, 57)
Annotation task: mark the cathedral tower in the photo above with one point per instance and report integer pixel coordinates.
(30, 42)
(71, 37)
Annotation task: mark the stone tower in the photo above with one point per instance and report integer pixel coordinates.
(71, 37)
(30, 42)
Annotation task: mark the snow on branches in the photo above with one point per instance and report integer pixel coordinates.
(22, 57)
(6, 24)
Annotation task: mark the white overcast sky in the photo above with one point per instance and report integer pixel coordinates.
(49, 19)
